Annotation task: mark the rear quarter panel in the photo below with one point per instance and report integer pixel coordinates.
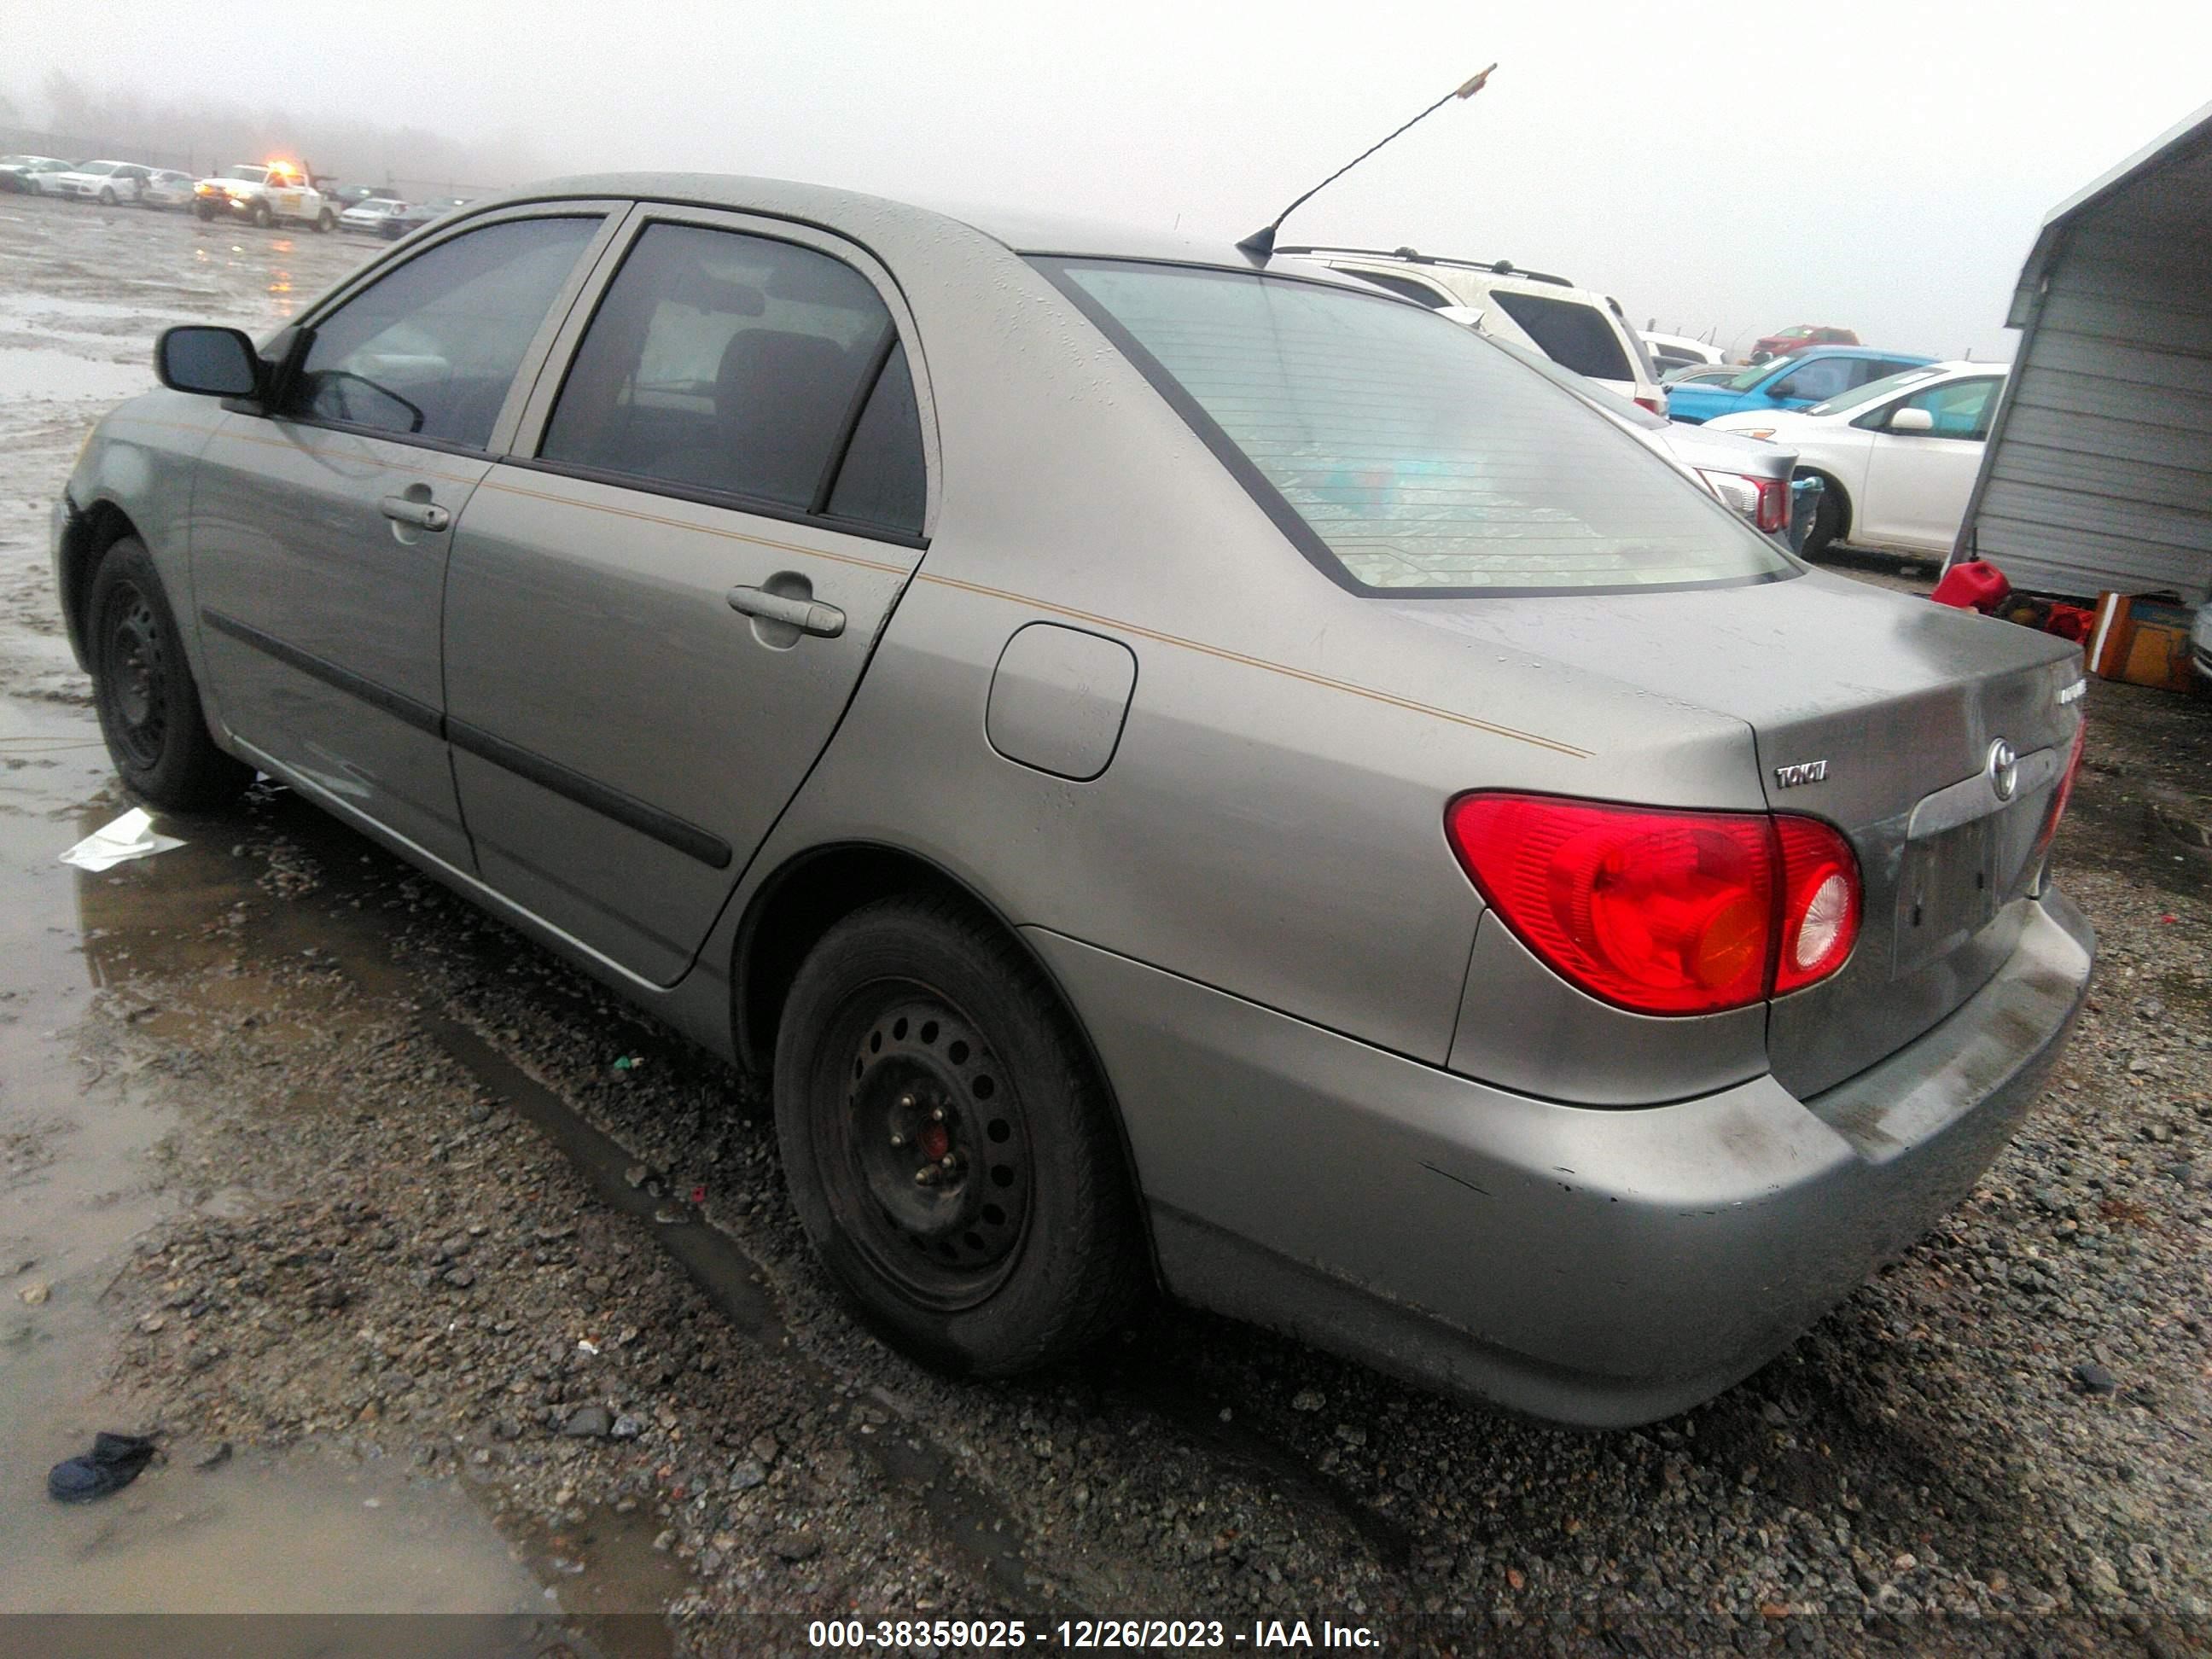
(1271, 822)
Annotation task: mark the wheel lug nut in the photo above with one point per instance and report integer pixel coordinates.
(906, 1102)
(898, 1140)
(945, 1163)
(937, 1115)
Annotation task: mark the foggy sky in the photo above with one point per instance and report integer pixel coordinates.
(1879, 165)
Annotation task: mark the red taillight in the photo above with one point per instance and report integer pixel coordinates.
(1772, 513)
(2061, 794)
(1820, 902)
(1663, 912)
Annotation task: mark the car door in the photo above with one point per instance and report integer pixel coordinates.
(320, 526)
(659, 610)
(1917, 482)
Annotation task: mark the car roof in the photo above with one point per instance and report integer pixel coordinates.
(1859, 351)
(1023, 231)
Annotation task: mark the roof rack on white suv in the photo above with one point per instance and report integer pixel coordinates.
(1415, 257)
(1574, 327)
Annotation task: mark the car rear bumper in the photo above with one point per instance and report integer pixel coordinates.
(1603, 1266)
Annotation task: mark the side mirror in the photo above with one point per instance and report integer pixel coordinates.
(1909, 419)
(216, 362)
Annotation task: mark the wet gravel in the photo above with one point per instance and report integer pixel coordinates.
(480, 1221)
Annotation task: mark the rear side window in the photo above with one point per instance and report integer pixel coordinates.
(725, 362)
(1572, 334)
(1404, 453)
(431, 350)
(881, 481)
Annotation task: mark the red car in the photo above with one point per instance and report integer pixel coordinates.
(1796, 339)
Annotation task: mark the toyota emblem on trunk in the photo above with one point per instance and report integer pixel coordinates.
(2004, 770)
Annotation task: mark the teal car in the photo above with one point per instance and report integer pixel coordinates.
(1797, 381)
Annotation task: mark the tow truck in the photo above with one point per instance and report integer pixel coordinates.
(266, 194)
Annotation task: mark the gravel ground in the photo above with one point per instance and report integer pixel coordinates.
(479, 1222)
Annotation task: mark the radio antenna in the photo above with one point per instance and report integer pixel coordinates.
(1262, 243)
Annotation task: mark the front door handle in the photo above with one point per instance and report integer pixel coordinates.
(424, 515)
(807, 616)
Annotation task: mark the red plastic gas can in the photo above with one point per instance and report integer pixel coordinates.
(1975, 585)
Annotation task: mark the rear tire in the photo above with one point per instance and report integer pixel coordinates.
(142, 688)
(1828, 522)
(325, 221)
(107, 197)
(949, 1149)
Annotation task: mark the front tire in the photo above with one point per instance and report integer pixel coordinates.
(106, 198)
(948, 1147)
(142, 688)
(263, 218)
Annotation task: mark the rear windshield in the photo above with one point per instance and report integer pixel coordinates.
(1404, 452)
(1572, 334)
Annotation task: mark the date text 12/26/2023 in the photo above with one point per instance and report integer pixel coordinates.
(1073, 1635)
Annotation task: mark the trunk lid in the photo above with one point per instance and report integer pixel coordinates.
(1878, 712)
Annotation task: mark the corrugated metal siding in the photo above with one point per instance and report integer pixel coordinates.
(2101, 476)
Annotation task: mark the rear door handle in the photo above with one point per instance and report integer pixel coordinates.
(424, 515)
(807, 616)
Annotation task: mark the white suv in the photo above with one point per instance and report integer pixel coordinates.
(1576, 328)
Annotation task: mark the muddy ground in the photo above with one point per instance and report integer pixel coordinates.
(448, 1285)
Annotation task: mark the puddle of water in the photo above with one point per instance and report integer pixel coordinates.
(82, 1175)
(300, 1535)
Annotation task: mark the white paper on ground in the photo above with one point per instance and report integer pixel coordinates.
(131, 836)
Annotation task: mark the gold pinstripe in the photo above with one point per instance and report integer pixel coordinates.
(1221, 654)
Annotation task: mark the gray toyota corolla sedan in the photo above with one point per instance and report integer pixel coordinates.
(1185, 773)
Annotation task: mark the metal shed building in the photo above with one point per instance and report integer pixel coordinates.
(2097, 474)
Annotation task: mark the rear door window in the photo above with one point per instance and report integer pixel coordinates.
(1402, 453)
(431, 350)
(1572, 334)
(737, 365)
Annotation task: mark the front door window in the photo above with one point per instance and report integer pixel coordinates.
(431, 350)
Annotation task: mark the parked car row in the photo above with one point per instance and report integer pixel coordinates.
(110, 183)
(264, 193)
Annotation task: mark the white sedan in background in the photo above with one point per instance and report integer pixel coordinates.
(1673, 352)
(165, 187)
(108, 183)
(369, 214)
(1896, 457)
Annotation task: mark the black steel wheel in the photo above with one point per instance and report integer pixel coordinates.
(144, 691)
(933, 1147)
(947, 1145)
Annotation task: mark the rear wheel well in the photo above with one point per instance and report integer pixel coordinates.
(1835, 492)
(811, 894)
(99, 528)
(799, 904)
